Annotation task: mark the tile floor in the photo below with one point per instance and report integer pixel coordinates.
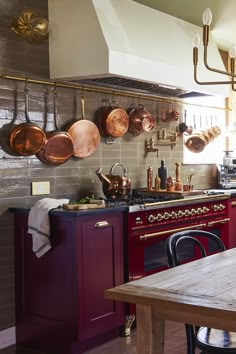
(174, 344)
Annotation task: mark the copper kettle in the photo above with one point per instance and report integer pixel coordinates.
(115, 186)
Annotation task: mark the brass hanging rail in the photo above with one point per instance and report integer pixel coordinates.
(116, 92)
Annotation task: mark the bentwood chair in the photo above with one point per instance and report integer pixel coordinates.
(208, 340)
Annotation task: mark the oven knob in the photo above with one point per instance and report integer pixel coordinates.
(221, 206)
(159, 217)
(151, 218)
(216, 207)
(205, 210)
(180, 213)
(166, 216)
(187, 212)
(193, 212)
(174, 215)
(199, 211)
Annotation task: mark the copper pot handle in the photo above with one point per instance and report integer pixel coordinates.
(26, 92)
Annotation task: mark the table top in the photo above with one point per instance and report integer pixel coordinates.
(201, 292)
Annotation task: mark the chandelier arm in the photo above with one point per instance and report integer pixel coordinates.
(213, 69)
(211, 82)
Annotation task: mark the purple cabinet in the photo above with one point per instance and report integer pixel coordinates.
(60, 305)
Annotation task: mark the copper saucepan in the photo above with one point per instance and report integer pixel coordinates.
(140, 120)
(58, 147)
(114, 121)
(27, 138)
(85, 135)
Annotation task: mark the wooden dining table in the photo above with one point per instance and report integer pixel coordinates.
(202, 292)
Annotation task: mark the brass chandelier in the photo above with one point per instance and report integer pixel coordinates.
(207, 18)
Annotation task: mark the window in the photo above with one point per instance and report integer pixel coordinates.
(202, 114)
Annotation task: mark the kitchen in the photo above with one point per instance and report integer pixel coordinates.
(76, 178)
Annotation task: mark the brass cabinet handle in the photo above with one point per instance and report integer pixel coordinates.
(146, 236)
(102, 224)
(222, 221)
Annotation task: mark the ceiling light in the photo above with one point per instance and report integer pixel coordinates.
(207, 18)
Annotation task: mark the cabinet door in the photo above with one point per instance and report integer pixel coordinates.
(232, 223)
(100, 266)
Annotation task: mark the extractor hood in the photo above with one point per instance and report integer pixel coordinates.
(121, 43)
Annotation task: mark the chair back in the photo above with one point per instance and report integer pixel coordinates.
(174, 242)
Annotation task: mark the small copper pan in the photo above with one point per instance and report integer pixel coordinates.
(58, 147)
(27, 138)
(85, 135)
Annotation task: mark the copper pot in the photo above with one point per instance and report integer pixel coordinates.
(114, 121)
(141, 120)
(58, 147)
(196, 142)
(27, 138)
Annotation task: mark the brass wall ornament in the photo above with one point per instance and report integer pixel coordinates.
(30, 26)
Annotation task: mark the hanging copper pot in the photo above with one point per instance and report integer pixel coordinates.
(114, 121)
(58, 146)
(140, 120)
(27, 138)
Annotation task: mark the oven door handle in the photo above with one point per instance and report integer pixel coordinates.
(222, 221)
(146, 236)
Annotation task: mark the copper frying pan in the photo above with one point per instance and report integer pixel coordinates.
(114, 121)
(58, 147)
(26, 138)
(85, 135)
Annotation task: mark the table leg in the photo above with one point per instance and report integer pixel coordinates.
(150, 331)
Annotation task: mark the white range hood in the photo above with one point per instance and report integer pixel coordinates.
(94, 39)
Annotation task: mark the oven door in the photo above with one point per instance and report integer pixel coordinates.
(146, 247)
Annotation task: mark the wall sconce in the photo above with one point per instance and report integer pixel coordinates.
(206, 19)
(30, 26)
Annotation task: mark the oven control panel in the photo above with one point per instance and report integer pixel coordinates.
(181, 213)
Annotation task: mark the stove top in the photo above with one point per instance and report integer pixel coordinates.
(140, 200)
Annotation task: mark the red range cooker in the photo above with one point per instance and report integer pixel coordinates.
(149, 224)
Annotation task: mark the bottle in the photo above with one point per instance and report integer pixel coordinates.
(162, 173)
(149, 178)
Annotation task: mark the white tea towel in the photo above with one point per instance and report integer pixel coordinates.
(39, 226)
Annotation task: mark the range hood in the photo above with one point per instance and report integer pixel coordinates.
(123, 44)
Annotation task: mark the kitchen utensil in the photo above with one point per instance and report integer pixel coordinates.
(58, 146)
(196, 142)
(115, 186)
(85, 135)
(141, 120)
(114, 121)
(178, 184)
(27, 138)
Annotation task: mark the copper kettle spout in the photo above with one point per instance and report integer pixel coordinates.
(106, 182)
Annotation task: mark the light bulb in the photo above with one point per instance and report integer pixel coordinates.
(196, 40)
(207, 17)
(232, 51)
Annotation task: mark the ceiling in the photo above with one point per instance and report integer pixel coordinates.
(223, 25)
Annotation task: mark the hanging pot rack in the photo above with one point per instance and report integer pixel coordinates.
(91, 88)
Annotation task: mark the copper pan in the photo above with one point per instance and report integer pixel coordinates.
(114, 121)
(85, 135)
(58, 147)
(26, 138)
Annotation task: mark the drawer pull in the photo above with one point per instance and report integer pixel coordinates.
(233, 204)
(102, 224)
(222, 221)
(146, 236)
